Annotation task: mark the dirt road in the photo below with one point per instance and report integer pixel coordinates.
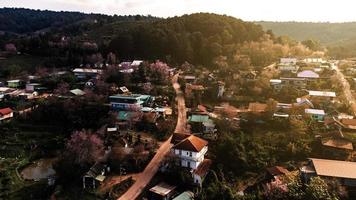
(181, 126)
(145, 177)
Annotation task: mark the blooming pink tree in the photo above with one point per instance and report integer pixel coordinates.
(159, 71)
(10, 47)
(86, 147)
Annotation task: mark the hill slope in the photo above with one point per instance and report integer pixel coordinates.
(327, 33)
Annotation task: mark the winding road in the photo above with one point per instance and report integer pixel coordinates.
(151, 169)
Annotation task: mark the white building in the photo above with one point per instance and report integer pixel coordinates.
(190, 151)
(292, 61)
(307, 74)
(316, 114)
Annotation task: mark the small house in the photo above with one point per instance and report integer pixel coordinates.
(5, 114)
(190, 151)
(130, 101)
(316, 114)
(162, 191)
(321, 95)
(87, 73)
(14, 83)
(95, 176)
(308, 74)
(77, 92)
(32, 87)
(343, 171)
(187, 195)
(285, 61)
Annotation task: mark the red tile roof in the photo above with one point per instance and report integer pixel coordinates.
(191, 143)
(277, 170)
(203, 168)
(5, 111)
(178, 137)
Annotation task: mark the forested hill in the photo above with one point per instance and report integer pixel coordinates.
(21, 20)
(197, 38)
(329, 34)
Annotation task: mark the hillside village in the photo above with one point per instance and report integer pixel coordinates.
(122, 128)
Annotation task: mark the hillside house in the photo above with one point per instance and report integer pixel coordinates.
(87, 73)
(316, 114)
(14, 83)
(298, 83)
(343, 171)
(308, 74)
(201, 123)
(286, 61)
(33, 87)
(190, 151)
(288, 68)
(130, 102)
(162, 191)
(5, 114)
(95, 176)
(313, 60)
(321, 95)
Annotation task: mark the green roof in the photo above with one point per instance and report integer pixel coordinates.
(198, 118)
(187, 195)
(124, 115)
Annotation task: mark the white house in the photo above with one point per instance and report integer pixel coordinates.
(307, 74)
(314, 60)
(322, 95)
(292, 61)
(190, 151)
(316, 114)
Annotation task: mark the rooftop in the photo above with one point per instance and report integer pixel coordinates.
(86, 70)
(315, 111)
(338, 143)
(277, 170)
(191, 143)
(5, 111)
(334, 168)
(198, 118)
(307, 74)
(162, 189)
(203, 168)
(187, 195)
(322, 93)
(257, 107)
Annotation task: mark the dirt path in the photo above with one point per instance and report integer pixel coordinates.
(145, 177)
(181, 126)
(114, 180)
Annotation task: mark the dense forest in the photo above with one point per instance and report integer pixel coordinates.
(327, 33)
(339, 38)
(21, 20)
(69, 39)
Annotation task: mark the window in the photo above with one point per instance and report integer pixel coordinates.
(180, 152)
(187, 153)
(190, 154)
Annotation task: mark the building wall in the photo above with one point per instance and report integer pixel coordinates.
(190, 159)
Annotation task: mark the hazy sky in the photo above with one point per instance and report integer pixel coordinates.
(276, 10)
